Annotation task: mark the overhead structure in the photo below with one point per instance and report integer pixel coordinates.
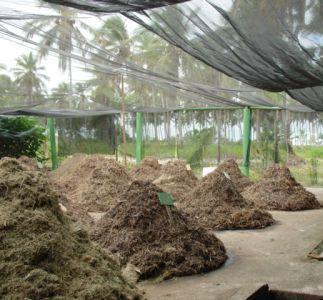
(110, 6)
(272, 45)
(266, 45)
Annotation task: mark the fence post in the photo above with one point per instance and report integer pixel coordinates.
(139, 144)
(246, 142)
(52, 141)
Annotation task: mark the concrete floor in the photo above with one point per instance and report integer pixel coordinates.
(275, 255)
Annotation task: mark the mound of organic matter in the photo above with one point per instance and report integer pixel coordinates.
(92, 182)
(43, 255)
(159, 241)
(217, 204)
(231, 168)
(76, 212)
(176, 179)
(278, 190)
(29, 163)
(148, 170)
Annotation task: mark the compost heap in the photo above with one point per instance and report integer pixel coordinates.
(231, 168)
(29, 163)
(278, 190)
(92, 181)
(176, 179)
(160, 241)
(42, 253)
(217, 204)
(148, 170)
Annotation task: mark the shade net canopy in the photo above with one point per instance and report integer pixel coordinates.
(109, 6)
(114, 65)
(272, 45)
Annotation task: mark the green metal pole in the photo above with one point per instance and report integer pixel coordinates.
(176, 148)
(246, 143)
(139, 145)
(53, 151)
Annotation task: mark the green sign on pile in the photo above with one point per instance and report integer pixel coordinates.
(165, 199)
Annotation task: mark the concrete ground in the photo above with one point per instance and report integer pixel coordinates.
(275, 255)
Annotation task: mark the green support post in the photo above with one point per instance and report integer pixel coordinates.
(139, 145)
(52, 141)
(176, 148)
(246, 143)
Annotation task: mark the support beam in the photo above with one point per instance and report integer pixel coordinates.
(52, 141)
(246, 143)
(225, 108)
(139, 144)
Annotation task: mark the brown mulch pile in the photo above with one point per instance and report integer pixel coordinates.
(231, 168)
(217, 204)
(159, 243)
(176, 179)
(278, 190)
(76, 212)
(29, 163)
(43, 254)
(92, 182)
(148, 170)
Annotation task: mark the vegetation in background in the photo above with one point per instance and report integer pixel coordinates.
(313, 171)
(21, 136)
(201, 140)
(29, 77)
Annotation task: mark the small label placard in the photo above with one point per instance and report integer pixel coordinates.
(166, 199)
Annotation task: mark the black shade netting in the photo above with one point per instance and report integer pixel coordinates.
(312, 97)
(272, 45)
(109, 6)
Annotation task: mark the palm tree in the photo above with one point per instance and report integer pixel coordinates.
(8, 91)
(29, 76)
(114, 37)
(62, 32)
(61, 94)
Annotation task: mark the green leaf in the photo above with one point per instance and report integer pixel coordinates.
(166, 199)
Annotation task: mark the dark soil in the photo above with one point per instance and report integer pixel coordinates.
(43, 254)
(92, 182)
(176, 179)
(231, 168)
(278, 190)
(148, 170)
(158, 244)
(217, 204)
